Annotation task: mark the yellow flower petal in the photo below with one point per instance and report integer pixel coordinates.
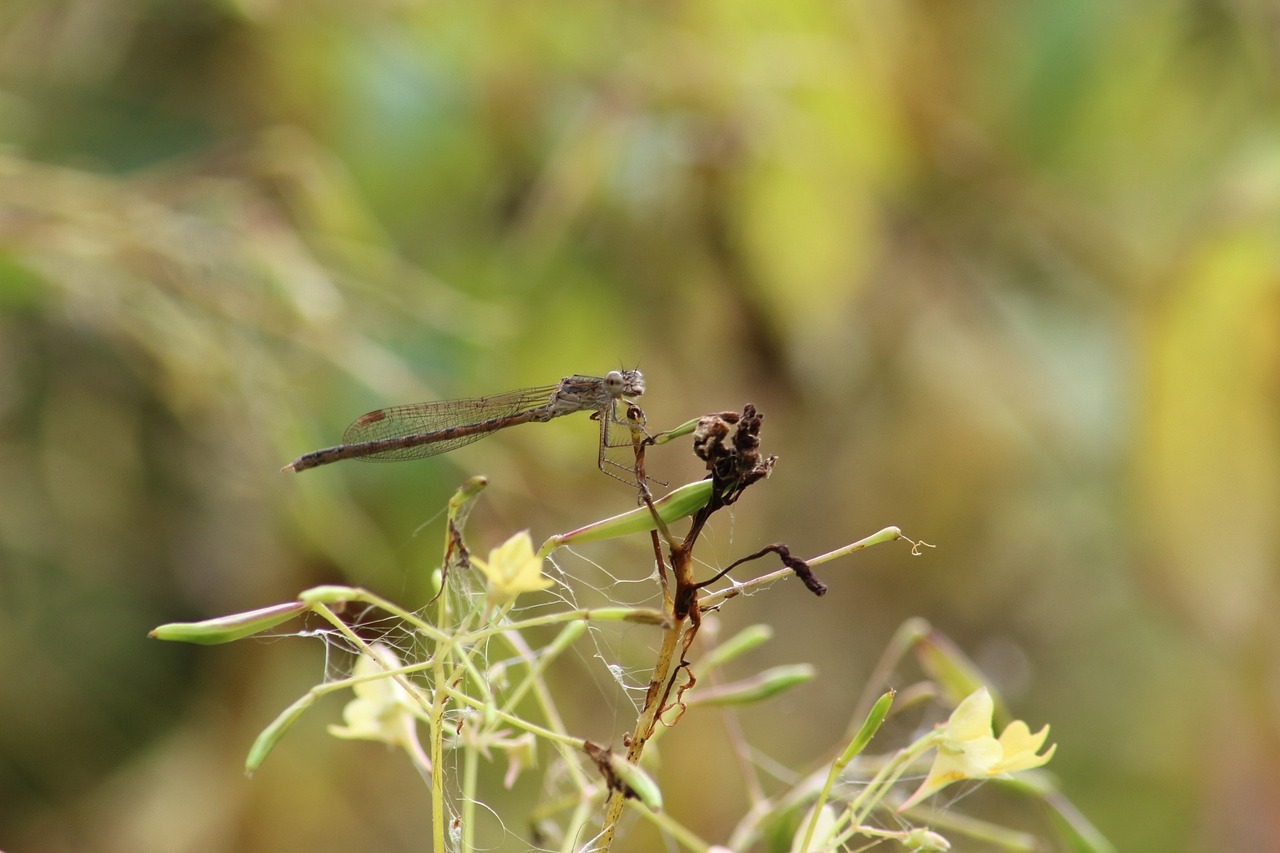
(382, 708)
(972, 718)
(1019, 748)
(512, 568)
(968, 750)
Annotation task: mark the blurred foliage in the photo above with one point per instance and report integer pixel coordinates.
(1004, 274)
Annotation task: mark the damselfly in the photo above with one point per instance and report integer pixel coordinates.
(419, 430)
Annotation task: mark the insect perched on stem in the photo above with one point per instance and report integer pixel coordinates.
(419, 430)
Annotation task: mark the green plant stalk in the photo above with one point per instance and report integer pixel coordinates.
(889, 775)
(577, 824)
(1079, 833)
(519, 722)
(989, 833)
(446, 634)
(332, 594)
(644, 725)
(898, 646)
(435, 727)
(888, 534)
(470, 761)
(638, 784)
(275, 730)
(545, 703)
(681, 833)
(435, 735)
(756, 688)
(684, 429)
(269, 736)
(599, 614)
(739, 644)
(466, 649)
(538, 663)
(663, 667)
(463, 651)
(358, 641)
(583, 805)
(869, 727)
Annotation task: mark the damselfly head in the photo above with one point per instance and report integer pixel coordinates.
(625, 383)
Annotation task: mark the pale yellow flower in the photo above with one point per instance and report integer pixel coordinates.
(383, 709)
(967, 748)
(512, 568)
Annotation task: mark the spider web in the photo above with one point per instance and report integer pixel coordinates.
(598, 685)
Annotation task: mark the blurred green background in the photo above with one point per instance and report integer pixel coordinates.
(1004, 274)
